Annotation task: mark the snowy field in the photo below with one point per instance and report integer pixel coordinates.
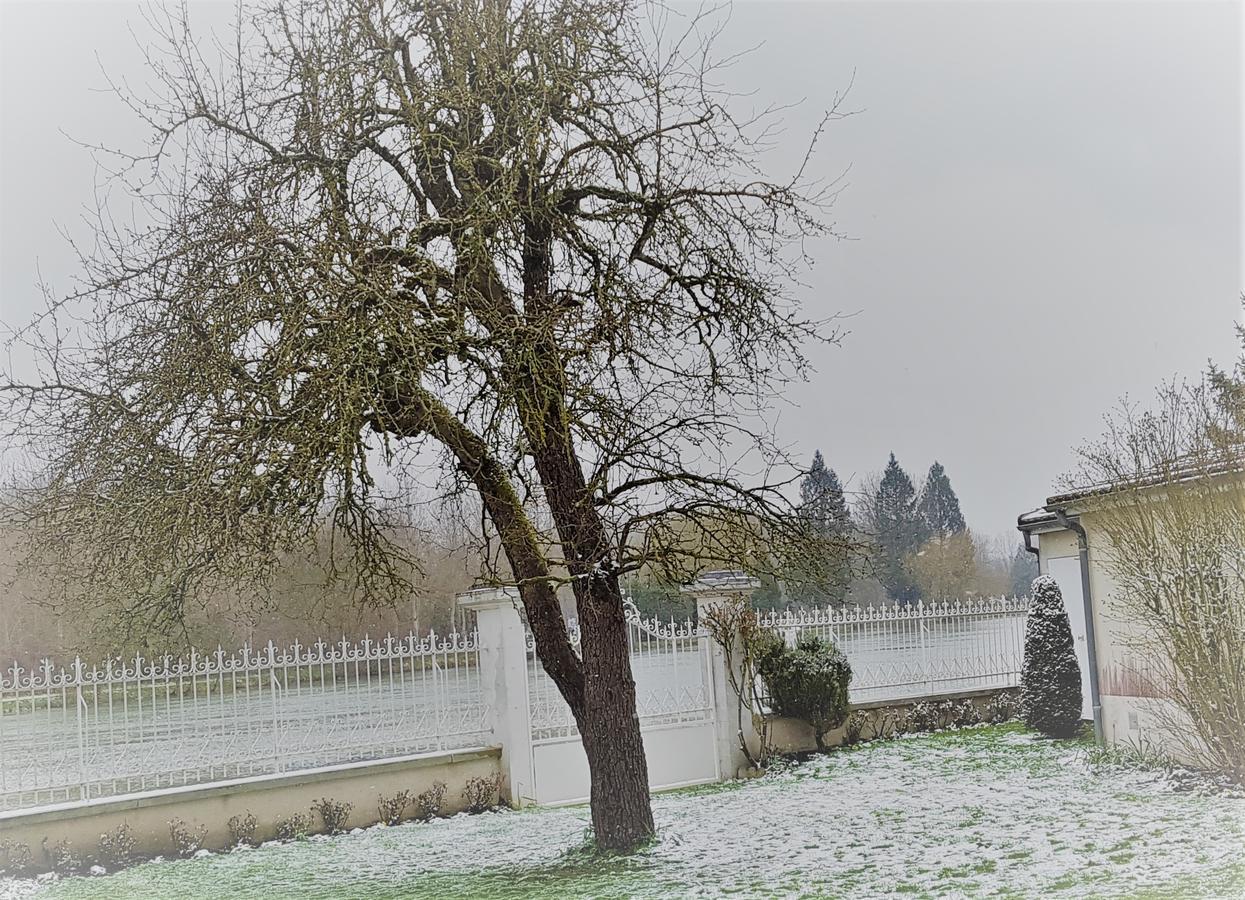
(980, 812)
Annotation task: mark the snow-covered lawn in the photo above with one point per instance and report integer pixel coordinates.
(979, 812)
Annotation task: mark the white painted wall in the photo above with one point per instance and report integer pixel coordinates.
(1066, 570)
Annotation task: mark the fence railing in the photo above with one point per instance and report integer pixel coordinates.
(902, 651)
(80, 732)
(670, 665)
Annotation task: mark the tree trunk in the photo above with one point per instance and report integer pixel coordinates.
(622, 816)
(599, 689)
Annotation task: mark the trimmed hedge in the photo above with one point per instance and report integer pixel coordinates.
(808, 681)
(1050, 681)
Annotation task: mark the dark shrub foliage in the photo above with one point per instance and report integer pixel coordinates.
(429, 803)
(483, 794)
(808, 681)
(116, 847)
(15, 858)
(242, 830)
(296, 827)
(187, 840)
(390, 809)
(1050, 681)
(334, 814)
(63, 858)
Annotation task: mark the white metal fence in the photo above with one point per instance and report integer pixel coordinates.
(670, 664)
(79, 732)
(904, 651)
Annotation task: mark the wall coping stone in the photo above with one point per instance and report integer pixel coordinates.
(163, 796)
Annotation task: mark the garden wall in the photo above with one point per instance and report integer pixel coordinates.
(270, 798)
(789, 736)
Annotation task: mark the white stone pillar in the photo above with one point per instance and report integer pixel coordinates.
(710, 590)
(503, 679)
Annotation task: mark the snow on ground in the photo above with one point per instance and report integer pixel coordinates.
(979, 812)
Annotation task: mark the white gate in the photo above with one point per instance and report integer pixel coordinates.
(674, 698)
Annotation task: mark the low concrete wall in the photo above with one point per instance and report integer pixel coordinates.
(270, 798)
(789, 736)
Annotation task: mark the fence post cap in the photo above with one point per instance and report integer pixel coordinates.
(489, 597)
(721, 582)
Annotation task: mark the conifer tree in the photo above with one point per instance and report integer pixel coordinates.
(939, 507)
(823, 504)
(1050, 679)
(899, 531)
(1024, 569)
(822, 500)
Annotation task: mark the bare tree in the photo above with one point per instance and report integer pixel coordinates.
(1170, 499)
(529, 240)
(945, 567)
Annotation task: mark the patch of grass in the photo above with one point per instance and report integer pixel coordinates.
(987, 811)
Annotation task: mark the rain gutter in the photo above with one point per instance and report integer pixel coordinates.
(1095, 698)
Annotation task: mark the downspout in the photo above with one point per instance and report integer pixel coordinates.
(1082, 542)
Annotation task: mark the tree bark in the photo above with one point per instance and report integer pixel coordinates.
(622, 816)
(598, 686)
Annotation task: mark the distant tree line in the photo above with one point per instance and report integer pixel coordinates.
(889, 542)
(916, 544)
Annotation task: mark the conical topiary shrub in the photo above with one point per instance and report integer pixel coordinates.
(1050, 680)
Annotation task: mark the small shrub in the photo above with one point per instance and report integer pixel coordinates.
(116, 847)
(483, 794)
(1003, 707)
(63, 859)
(242, 830)
(334, 814)
(429, 803)
(390, 809)
(15, 858)
(186, 840)
(809, 682)
(294, 828)
(924, 715)
(767, 649)
(1050, 679)
(855, 726)
(888, 722)
(964, 714)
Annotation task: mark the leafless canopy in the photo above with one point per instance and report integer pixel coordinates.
(1168, 493)
(514, 234)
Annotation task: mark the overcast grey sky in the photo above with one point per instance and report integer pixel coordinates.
(1044, 201)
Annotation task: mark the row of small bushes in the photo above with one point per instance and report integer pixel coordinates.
(117, 849)
(809, 681)
(929, 715)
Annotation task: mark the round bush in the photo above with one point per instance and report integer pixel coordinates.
(808, 681)
(1050, 680)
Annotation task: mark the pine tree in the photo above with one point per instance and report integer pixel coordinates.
(1024, 569)
(1050, 679)
(900, 531)
(822, 502)
(939, 507)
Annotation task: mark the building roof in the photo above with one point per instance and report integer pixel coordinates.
(1191, 470)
